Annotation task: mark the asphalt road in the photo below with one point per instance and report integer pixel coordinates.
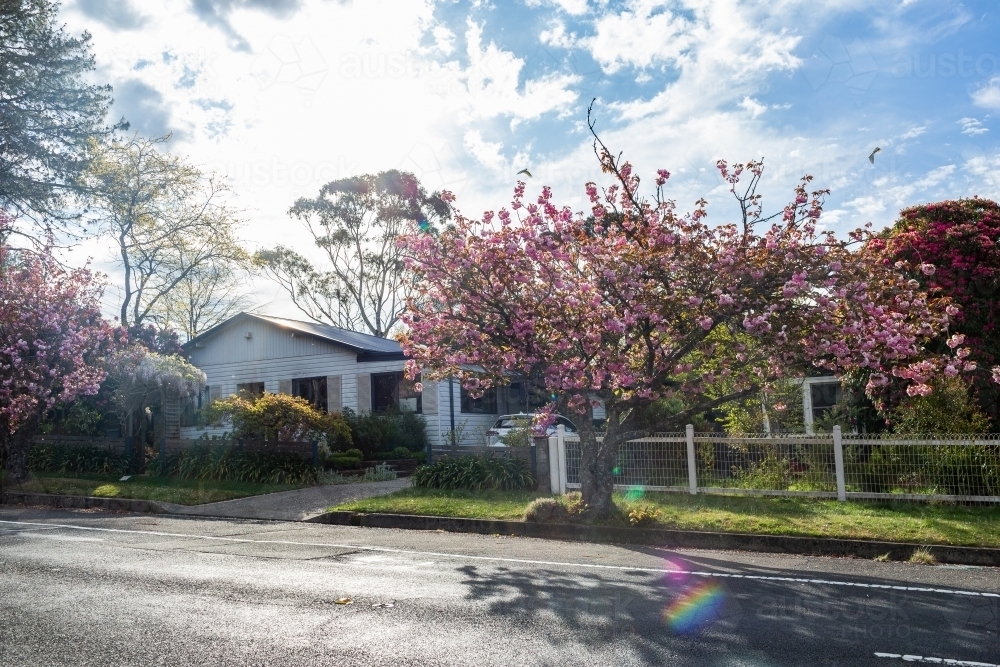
(91, 588)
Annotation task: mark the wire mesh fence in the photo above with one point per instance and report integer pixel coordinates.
(656, 463)
(852, 466)
(960, 468)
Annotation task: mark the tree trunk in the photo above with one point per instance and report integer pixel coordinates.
(597, 462)
(18, 446)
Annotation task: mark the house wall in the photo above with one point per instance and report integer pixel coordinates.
(273, 356)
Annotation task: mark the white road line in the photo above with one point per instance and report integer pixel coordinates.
(524, 561)
(935, 661)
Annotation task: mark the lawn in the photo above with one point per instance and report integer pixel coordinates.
(167, 489)
(899, 522)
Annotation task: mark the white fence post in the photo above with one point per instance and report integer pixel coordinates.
(838, 461)
(561, 444)
(553, 464)
(692, 462)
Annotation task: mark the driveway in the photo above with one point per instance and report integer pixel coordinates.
(289, 505)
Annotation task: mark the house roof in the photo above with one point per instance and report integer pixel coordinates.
(370, 347)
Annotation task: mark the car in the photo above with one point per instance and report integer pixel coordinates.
(507, 423)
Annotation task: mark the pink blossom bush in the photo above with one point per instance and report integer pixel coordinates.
(52, 337)
(634, 302)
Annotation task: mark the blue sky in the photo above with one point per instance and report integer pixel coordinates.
(282, 96)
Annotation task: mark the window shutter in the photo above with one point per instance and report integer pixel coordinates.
(334, 395)
(364, 393)
(285, 387)
(429, 398)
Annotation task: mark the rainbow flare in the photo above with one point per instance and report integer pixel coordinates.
(695, 608)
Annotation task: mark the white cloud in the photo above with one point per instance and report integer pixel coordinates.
(444, 39)
(557, 36)
(972, 126)
(752, 106)
(486, 153)
(575, 7)
(988, 95)
(913, 132)
(493, 83)
(647, 33)
(906, 193)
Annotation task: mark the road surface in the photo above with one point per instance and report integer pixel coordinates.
(92, 588)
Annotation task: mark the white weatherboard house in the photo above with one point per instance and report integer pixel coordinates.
(334, 369)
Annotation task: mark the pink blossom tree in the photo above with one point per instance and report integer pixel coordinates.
(636, 302)
(52, 337)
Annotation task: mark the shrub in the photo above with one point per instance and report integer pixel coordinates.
(380, 473)
(643, 515)
(546, 510)
(475, 473)
(336, 462)
(281, 417)
(947, 410)
(355, 452)
(384, 431)
(401, 453)
(228, 463)
(63, 458)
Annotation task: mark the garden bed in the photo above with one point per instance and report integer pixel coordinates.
(805, 517)
(143, 487)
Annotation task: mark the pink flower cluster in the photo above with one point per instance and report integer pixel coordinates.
(52, 333)
(634, 301)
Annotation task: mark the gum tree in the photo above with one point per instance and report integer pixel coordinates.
(636, 302)
(52, 341)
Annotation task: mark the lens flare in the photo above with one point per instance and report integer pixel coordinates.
(633, 493)
(425, 225)
(695, 608)
(616, 471)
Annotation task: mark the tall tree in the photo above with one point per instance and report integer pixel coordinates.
(167, 219)
(49, 112)
(208, 296)
(52, 342)
(650, 304)
(356, 222)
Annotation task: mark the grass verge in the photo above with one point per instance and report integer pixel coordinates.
(141, 487)
(896, 522)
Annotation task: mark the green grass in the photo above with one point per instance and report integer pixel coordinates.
(167, 489)
(898, 522)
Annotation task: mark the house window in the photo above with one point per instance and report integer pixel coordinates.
(484, 405)
(250, 389)
(518, 399)
(392, 391)
(311, 389)
(824, 397)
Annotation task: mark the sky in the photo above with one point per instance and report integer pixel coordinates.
(282, 96)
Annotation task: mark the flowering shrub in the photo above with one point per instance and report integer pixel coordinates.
(952, 248)
(52, 340)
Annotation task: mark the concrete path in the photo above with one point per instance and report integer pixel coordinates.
(289, 505)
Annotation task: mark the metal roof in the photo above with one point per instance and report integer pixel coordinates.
(362, 343)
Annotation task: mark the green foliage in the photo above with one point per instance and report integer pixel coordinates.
(48, 108)
(339, 461)
(79, 418)
(948, 409)
(355, 452)
(780, 403)
(230, 463)
(379, 473)
(475, 473)
(770, 473)
(281, 417)
(644, 514)
(401, 453)
(65, 458)
(385, 431)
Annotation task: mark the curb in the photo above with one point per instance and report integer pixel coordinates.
(677, 539)
(79, 502)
